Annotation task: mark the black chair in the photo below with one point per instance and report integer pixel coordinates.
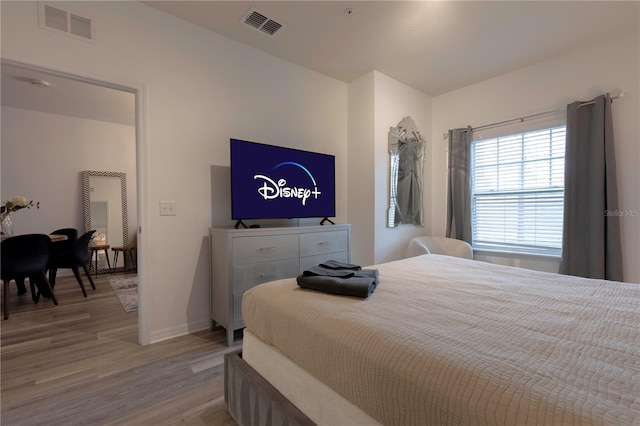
(26, 256)
(65, 245)
(60, 249)
(77, 257)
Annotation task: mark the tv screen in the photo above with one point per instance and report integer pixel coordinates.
(269, 181)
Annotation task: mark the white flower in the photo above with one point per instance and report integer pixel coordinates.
(16, 203)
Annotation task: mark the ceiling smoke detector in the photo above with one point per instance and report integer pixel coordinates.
(261, 22)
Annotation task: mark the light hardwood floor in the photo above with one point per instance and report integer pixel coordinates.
(79, 363)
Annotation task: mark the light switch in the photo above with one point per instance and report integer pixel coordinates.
(167, 208)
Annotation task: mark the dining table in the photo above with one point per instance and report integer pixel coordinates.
(54, 237)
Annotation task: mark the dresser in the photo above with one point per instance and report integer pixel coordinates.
(243, 258)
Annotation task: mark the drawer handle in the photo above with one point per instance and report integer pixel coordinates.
(268, 275)
(324, 243)
(266, 249)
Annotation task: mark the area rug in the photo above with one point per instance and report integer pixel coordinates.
(126, 288)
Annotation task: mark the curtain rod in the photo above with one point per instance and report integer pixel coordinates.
(529, 117)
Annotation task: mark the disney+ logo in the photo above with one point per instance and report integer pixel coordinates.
(272, 189)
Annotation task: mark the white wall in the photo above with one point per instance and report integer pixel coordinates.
(582, 75)
(202, 89)
(43, 156)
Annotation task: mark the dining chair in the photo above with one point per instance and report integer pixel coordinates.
(95, 249)
(124, 250)
(78, 256)
(25, 256)
(60, 249)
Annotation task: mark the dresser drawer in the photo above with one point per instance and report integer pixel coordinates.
(264, 248)
(249, 275)
(315, 243)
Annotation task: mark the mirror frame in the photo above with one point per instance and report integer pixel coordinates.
(86, 187)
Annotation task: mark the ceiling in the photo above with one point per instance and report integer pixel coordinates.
(433, 46)
(65, 96)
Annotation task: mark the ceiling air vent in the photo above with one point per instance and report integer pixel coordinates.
(65, 22)
(259, 21)
(80, 26)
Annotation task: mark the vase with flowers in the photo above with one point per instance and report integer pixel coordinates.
(11, 205)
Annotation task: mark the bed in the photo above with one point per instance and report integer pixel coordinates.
(445, 340)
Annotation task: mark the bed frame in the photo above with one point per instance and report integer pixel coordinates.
(251, 400)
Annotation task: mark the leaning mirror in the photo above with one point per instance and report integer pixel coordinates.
(406, 171)
(105, 210)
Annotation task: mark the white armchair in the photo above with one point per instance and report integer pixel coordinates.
(439, 245)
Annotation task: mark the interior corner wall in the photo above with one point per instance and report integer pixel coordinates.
(581, 75)
(361, 172)
(377, 103)
(201, 89)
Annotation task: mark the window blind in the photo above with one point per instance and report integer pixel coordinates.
(517, 186)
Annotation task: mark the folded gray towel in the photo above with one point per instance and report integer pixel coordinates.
(368, 273)
(325, 272)
(321, 271)
(354, 286)
(334, 264)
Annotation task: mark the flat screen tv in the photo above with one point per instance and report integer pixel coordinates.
(271, 182)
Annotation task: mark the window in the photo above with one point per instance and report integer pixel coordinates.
(517, 190)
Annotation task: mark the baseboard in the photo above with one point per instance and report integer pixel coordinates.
(177, 331)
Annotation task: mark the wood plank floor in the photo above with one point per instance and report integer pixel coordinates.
(79, 363)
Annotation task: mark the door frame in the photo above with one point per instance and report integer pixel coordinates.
(140, 91)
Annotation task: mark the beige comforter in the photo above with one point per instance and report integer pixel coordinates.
(450, 341)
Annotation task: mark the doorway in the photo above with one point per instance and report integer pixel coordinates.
(43, 104)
